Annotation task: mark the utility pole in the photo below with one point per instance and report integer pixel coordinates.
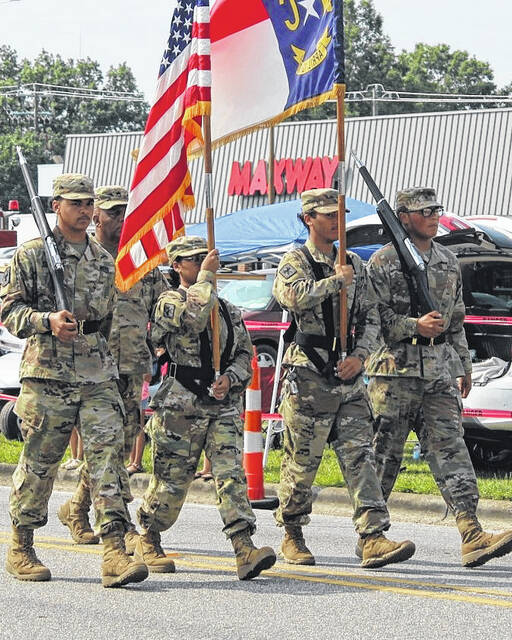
(35, 108)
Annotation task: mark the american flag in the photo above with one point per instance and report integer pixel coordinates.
(161, 189)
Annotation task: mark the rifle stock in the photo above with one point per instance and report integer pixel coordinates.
(50, 246)
(410, 258)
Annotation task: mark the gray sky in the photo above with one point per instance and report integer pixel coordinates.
(113, 31)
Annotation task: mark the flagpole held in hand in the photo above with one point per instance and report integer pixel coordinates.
(214, 317)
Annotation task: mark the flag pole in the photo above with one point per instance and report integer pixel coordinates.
(214, 316)
(342, 252)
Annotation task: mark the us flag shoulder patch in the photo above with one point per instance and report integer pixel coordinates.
(169, 310)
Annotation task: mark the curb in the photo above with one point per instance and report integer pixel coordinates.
(406, 507)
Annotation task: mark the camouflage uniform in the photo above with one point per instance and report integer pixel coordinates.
(316, 411)
(184, 423)
(127, 342)
(407, 378)
(128, 337)
(64, 384)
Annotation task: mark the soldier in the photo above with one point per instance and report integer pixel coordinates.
(68, 378)
(187, 418)
(324, 398)
(127, 344)
(414, 371)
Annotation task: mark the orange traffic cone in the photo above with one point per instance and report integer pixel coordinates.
(253, 442)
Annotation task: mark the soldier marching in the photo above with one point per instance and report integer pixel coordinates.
(83, 366)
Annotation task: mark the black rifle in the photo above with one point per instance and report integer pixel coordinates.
(50, 246)
(410, 258)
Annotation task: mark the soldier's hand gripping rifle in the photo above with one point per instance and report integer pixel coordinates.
(410, 258)
(50, 246)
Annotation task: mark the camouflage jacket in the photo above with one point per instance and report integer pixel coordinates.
(391, 294)
(27, 293)
(132, 314)
(296, 290)
(179, 318)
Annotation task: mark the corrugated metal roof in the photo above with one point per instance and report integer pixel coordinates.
(465, 155)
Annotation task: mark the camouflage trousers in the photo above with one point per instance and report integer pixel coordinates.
(397, 405)
(130, 389)
(315, 413)
(177, 441)
(49, 410)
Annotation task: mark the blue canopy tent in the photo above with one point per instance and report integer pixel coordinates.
(266, 232)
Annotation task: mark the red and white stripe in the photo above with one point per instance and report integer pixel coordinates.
(161, 189)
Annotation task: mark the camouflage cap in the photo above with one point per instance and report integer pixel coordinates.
(185, 246)
(416, 198)
(110, 196)
(73, 186)
(319, 200)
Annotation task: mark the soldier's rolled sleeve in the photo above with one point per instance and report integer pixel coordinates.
(455, 333)
(395, 327)
(297, 293)
(365, 321)
(239, 370)
(172, 312)
(17, 313)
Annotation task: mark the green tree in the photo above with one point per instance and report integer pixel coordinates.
(438, 69)
(39, 120)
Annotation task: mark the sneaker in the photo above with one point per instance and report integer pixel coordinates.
(71, 464)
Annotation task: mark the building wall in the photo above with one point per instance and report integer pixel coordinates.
(465, 155)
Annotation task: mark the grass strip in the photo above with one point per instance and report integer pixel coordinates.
(414, 478)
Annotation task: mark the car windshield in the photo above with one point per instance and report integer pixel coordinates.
(488, 285)
(254, 295)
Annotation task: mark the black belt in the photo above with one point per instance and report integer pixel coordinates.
(88, 326)
(426, 342)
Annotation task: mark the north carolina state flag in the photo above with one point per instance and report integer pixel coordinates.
(270, 60)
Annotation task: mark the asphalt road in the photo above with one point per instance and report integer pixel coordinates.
(431, 596)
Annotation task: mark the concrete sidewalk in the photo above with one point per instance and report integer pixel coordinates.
(406, 507)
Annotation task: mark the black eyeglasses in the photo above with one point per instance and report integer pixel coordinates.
(428, 212)
(198, 258)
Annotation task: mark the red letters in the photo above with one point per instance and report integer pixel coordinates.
(294, 175)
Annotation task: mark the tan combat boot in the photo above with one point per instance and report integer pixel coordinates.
(359, 548)
(74, 514)
(118, 568)
(479, 546)
(22, 561)
(250, 561)
(131, 538)
(293, 548)
(149, 549)
(379, 551)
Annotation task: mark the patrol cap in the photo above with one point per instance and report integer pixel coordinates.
(319, 200)
(110, 196)
(415, 198)
(73, 186)
(185, 246)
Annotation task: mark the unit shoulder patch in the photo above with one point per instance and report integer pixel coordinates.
(287, 271)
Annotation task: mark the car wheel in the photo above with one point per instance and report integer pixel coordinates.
(9, 422)
(267, 355)
(487, 457)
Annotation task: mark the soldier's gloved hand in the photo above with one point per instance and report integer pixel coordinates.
(220, 387)
(63, 325)
(430, 325)
(346, 271)
(464, 385)
(212, 261)
(348, 368)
